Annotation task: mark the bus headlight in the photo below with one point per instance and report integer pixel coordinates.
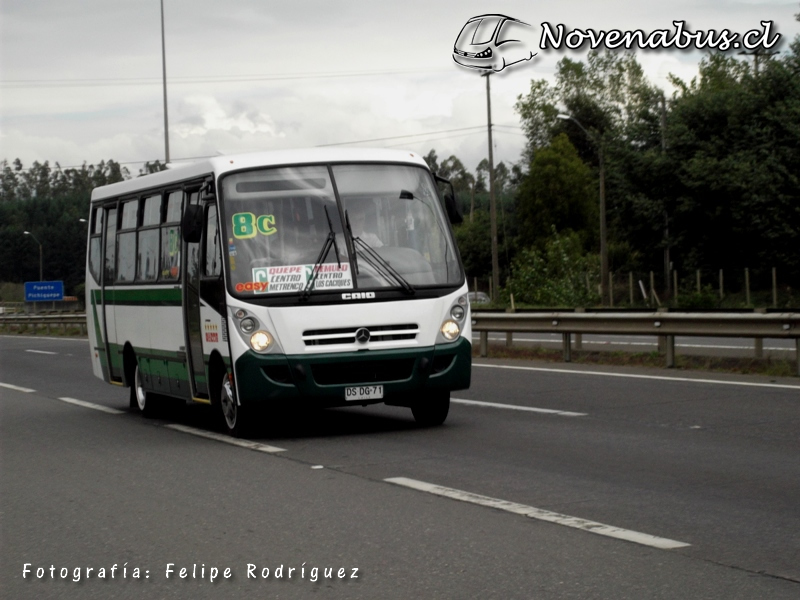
(457, 312)
(248, 324)
(450, 330)
(260, 341)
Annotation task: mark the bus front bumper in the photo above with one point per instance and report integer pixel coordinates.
(322, 379)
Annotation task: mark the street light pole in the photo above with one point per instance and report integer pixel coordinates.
(598, 142)
(164, 77)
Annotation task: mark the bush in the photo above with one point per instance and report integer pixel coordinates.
(705, 299)
(557, 276)
(12, 292)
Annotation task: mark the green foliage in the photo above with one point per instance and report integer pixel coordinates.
(475, 245)
(48, 202)
(557, 275)
(710, 174)
(12, 292)
(706, 299)
(556, 193)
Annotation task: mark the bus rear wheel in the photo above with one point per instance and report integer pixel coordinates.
(235, 417)
(431, 410)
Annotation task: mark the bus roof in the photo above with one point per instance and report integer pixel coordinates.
(218, 165)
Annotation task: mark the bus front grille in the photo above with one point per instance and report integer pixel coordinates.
(347, 335)
(365, 371)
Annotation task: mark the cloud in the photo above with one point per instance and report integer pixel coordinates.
(200, 114)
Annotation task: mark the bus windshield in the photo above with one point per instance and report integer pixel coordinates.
(278, 221)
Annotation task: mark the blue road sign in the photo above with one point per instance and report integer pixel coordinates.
(44, 291)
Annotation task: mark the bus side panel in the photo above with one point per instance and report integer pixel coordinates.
(130, 324)
(215, 337)
(168, 356)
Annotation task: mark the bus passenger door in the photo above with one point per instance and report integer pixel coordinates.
(109, 327)
(191, 313)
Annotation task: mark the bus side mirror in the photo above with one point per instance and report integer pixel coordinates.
(450, 204)
(192, 224)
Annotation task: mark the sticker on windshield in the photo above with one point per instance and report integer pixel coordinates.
(295, 278)
(247, 225)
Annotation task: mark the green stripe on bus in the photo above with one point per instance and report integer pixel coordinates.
(154, 296)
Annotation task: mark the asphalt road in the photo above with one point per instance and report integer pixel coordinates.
(545, 482)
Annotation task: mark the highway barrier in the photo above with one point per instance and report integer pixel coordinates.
(664, 325)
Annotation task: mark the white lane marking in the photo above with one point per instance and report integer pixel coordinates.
(542, 515)
(649, 344)
(40, 337)
(635, 376)
(100, 407)
(16, 387)
(225, 439)
(549, 411)
(41, 352)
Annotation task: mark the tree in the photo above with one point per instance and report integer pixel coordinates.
(557, 194)
(48, 202)
(734, 136)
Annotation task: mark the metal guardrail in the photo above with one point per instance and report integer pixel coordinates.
(665, 325)
(18, 322)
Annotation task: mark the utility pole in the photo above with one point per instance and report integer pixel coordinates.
(755, 54)
(604, 287)
(667, 284)
(164, 76)
(492, 202)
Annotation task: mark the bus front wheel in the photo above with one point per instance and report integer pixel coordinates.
(235, 417)
(141, 398)
(431, 410)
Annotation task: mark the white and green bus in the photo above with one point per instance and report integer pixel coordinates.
(323, 277)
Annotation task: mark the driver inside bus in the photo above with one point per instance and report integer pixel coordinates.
(363, 218)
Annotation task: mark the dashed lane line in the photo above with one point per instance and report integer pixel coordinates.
(547, 411)
(258, 447)
(16, 388)
(93, 406)
(541, 515)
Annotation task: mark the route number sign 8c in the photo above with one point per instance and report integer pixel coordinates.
(247, 225)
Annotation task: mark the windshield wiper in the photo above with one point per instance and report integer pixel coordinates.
(326, 247)
(352, 238)
(375, 260)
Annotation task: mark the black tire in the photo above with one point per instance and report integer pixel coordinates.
(431, 410)
(236, 419)
(141, 399)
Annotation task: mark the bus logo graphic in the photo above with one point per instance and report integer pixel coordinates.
(362, 335)
(358, 295)
(494, 42)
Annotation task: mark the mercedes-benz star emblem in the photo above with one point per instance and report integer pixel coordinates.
(362, 335)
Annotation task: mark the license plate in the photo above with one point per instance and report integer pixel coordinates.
(364, 392)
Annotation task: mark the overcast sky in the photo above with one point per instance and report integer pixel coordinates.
(80, 80)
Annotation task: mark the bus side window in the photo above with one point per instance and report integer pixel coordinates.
(213, 255)
(126, 245)
(111, 246)
(171, 238)
(147, 246)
